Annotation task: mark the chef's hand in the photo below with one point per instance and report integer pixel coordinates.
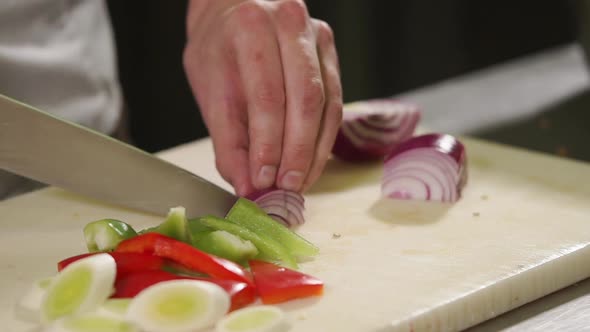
(267, 80)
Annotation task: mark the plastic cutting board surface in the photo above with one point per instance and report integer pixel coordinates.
(520, 231)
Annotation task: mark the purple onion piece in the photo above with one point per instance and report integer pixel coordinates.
(292, 213)
(290, 196)
(428, 167)
(282, 205)
(372, 129)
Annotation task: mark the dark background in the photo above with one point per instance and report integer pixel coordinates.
(385, 47)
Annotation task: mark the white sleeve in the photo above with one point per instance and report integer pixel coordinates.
(59, 56)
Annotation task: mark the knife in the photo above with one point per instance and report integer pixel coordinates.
(42, 147)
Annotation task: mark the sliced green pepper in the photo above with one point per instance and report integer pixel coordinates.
(147, 230)
(227, 245)
(247, 214)
(175, 225)
(106, 234)
(197, 230)
(268, 248)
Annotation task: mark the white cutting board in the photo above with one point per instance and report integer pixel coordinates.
(521, 231)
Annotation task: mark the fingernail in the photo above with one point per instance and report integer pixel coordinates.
(266, 176)
(292, 180)
(242, 189)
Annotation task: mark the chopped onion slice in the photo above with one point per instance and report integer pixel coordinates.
(371, 129)
(428, 167)
(282, 205)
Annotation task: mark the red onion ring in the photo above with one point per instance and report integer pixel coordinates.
(428, 167)
(284, 206)
(371, 129)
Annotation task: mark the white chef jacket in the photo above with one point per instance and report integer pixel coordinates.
(59, 56)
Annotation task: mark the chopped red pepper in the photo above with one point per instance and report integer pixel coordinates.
(186, 255)
(276, 284)
(132, 284)
(126, 262)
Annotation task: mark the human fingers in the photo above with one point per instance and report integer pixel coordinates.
(304, 90)
(259, 61)
(332, 115)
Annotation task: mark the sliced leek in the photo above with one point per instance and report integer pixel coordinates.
(178, 306)
(264, 318)
(91, 322)
(29, 306)
(115, 307)
(81, 287)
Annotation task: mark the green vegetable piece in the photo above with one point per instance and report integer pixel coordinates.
(147, 230)
(175, 225)
(197, 230)
(228, 246)
(268, 248)
(105, 234)
(247, 214)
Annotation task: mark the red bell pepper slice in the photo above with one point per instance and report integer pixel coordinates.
(132, 284)
(186, 255)
(126, 262)
(276, 284)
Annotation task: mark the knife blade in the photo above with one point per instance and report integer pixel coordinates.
(42, 147)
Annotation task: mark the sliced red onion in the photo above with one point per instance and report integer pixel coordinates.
(429, 167)
(265, 194)
(284, 206)
(371, 129)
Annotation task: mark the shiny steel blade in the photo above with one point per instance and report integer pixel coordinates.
(39, 146)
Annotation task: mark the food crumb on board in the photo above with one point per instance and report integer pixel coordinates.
(476, 214)
(484, 197)
(336, 235)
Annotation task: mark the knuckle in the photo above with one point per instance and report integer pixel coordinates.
(334, 109)
(293, 8)
(325, 33)
(294, 13)
(265, 153)
(313, 97)
(270, 97)
(249, 13)
(188, 59)
(299, 153)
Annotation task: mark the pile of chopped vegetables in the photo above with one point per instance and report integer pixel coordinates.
(181, 275)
